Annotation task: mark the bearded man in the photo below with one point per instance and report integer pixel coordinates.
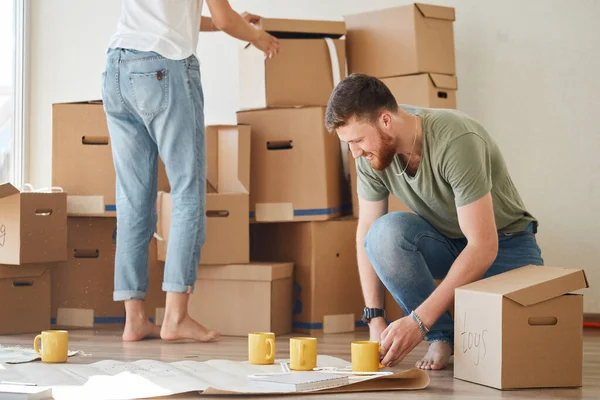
(468, 222)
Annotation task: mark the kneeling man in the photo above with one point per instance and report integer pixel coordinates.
(469, 221)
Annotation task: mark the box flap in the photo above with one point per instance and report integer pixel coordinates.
(18, 271)
(247, 272)
(444, 81)
(437, 12)
(7, 189)
(302, 28)
(532, 284)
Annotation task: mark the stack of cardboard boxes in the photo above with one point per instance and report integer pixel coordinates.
(299, 194)
(82, 165)
(33, 238)
(411, 49)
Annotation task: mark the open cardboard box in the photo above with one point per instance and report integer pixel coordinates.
(33, 226)
(311, 60)
(521, 329)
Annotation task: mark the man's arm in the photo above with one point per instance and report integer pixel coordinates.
(477, 222)
(372, 288)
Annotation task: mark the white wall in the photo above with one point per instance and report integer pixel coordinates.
(526, 69)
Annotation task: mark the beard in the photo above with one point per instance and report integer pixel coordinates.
(384, 156)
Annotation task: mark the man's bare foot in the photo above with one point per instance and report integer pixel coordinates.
(140, 329)
(437, 356)
(186, 328)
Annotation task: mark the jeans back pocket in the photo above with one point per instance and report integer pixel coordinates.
(150, 91)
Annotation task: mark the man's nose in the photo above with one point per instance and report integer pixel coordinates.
(355, 149)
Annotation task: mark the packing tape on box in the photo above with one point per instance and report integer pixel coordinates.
(28, 187)
(335, 73)
(339, 323)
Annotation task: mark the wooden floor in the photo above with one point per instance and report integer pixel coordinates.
(101, 345)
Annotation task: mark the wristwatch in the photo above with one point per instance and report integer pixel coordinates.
(370, 313)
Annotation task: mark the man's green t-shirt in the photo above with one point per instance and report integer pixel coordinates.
(460, 164)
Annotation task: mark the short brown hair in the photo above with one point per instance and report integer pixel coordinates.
(361, 95)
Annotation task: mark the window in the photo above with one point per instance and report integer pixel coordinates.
(12, 18)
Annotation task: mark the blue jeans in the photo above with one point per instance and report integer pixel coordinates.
(155, 107)
(408, 254)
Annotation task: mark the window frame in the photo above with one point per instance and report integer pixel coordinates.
(20, 89)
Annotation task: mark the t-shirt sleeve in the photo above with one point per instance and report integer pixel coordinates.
(466, 166)
(369, 186)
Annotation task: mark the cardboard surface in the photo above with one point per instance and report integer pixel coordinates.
(511, 324)
(424, 90)
(33, 226)
(394, 203)
(82, 287)
(228, 158)
(25, 298)
(305, 59)
(323, 252)
(227, 228)
(238, 299)
(295, 166)
(82, 161)
(404, 40)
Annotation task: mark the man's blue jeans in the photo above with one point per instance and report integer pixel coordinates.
(408, 254)
(155, 107)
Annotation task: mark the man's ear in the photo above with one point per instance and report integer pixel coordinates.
(385, 119)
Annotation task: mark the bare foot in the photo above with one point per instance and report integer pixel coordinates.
(437, 356)
(140, 329)
(186, 328)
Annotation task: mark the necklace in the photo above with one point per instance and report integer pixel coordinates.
(413, 147)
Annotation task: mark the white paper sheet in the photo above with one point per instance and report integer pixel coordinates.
(113, 380)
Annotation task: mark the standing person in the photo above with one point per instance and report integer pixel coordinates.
(469, 221)
(154, 106)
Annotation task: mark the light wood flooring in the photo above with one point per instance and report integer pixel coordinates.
(101, 345)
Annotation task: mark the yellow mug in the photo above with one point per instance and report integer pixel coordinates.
(261, 348)
(303, 353)
(365, 356)
(55, 346)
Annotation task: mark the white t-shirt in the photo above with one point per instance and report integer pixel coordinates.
(168, 27)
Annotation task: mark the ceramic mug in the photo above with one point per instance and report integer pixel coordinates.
(303, 353)
(261, 348)
(55, 346)
(365, 356)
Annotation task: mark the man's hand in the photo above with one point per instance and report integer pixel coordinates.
(250, 18)
(376, 328)
(399, 339)
(266, 43)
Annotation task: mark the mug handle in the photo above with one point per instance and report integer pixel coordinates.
(35, 344)
(271, 344)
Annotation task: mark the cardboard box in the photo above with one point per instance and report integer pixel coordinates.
(424, 90)
(33, 226)
(227, 228)
(82, 287)
(243, 298)
(394, 203)
(327, 292)
(509, 329)
(295, 166)
(25, 298)
(227, 200)
(305, 60)
(82, 161)
(404, 40)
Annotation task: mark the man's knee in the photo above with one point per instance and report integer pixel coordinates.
(388, 237)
